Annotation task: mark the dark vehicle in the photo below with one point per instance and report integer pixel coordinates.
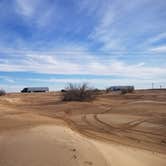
(120, 88)
(35, 89)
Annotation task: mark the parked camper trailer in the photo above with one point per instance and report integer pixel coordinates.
(120, 88)
(35, 89)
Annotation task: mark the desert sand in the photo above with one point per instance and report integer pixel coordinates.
(39, 129)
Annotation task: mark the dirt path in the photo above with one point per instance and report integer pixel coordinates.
(48, 145)
(56, 145)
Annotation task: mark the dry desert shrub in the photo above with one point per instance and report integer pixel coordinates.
(2, 92)
(124, 91)
(78, 92)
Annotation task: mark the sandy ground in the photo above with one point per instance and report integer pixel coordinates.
(48, 145)
(114, 130)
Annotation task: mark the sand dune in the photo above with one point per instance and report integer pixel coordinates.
(113, 130)
(118, 155)
(58, 145)
(48, 146)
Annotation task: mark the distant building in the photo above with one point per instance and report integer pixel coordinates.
(120, 88)
(35, 89)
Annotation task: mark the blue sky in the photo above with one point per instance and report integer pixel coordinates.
(110, 42)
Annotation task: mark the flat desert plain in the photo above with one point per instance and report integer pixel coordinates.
(38, 129)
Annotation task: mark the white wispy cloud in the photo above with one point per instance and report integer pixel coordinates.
(125, 25)
(159, 49)
(156, 38)
(85, 63)
(37, 12)
(89, 6)
(7, 79)
(27, 7)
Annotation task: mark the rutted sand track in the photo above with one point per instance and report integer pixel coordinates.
(117, 127)
(126, 134)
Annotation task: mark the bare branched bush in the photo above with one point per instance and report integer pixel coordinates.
(2, 92)
(78, 92)
(124, 91)
(130, 90)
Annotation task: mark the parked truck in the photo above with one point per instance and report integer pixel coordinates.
(35, 89)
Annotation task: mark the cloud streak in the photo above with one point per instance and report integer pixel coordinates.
(159, 49)
(80, 64)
